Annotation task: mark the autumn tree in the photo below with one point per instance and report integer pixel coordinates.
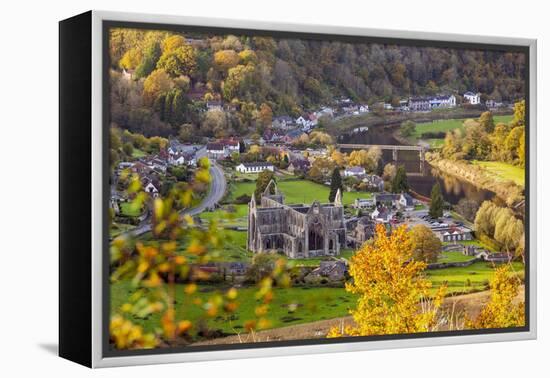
(265, 115)
(393, 296)
(486, 122)
(503, 309)
(389, 172)
(335, 184)
(155, 84)
(178, 58)
(214, 123)
(339, 158)
(426, 245)
(131, 59)
(226, 59)
(436, 202)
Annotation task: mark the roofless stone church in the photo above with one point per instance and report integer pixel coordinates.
(298, 230)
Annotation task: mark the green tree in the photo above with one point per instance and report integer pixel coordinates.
(407, 128)
(436, 202)
(128, 149)
(149, 61)
(264, 178)
(335, 184)
(399, 183)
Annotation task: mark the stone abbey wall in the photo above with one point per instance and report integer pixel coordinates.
(299, 231)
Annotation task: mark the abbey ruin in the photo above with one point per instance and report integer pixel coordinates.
(297, 230)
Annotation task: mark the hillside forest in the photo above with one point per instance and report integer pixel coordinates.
(161, 81)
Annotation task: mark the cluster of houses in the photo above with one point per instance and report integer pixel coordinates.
(373, 182)
(152, 167)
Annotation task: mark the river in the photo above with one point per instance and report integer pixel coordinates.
(420, 179)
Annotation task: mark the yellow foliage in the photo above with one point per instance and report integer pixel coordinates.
(393, 294)
(501, 311)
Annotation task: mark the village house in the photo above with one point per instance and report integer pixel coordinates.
(256, 167)
(299, 165)
(151, 186)
(216, 151)
(232, 145)
(442, 102)
(419, 104)
(214, 105)
(452, 233)
(386, 199)
(374, 182)
(492, 104)
(329, 270)
(363, 203)
(283, 122)
(472, 98)
(406, 202)
(354, 171)
(381, 214)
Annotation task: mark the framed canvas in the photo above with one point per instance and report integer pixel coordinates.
(235, 189)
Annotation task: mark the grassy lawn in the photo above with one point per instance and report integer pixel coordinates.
(298, 191)
(469, 278)
(449, 256)
(296, 305)
(229, 216)
(137, 153)
(315, 261)
(445, 125)
(503, 171)
(289, 306)
(128, 210)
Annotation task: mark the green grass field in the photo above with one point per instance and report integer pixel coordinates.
(289, 306)
(137, 153)
(447, 257)
(470, 278)
(296, 305)
(297, 191)
(228, 216)
(503, 171)
(445, 125)
(127, 210)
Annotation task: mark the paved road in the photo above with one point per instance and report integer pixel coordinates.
(217, 191)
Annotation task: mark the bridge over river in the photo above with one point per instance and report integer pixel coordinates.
(390, 147)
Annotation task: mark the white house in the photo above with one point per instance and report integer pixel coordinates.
(472, 98)
(150, 187)
(256, 167)
(354, 171)
(406, 202)
(363, 108)
(363, 203)
(216, 151)
(443, 102)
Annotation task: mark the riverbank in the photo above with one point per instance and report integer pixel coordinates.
(477, 175)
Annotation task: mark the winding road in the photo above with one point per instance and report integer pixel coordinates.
(215, 194)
